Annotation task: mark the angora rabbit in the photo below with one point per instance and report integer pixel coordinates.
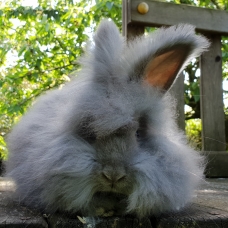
(107, 143)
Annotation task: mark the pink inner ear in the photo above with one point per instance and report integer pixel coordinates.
(163, 69)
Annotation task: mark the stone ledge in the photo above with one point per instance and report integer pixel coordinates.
(209, 209)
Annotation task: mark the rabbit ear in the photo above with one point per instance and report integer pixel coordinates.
(107, 49)
(162, 70)
(158, 58)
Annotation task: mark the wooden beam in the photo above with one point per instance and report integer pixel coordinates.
(160, 13)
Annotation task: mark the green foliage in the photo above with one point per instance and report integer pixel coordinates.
(193, 130)
(40, 46)
(3, 154)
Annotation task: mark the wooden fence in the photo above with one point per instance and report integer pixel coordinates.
(213, 24)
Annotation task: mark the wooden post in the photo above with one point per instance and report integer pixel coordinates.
(212, 110)
(177, 90)
(130, 30)
(211, 99)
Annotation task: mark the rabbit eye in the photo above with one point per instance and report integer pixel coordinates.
(91, 137)
(87, 135)
(85, 130)
(141, 133)
(137, 134)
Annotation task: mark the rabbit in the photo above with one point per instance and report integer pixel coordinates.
(107, 143)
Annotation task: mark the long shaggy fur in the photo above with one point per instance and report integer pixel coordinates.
(107, 143)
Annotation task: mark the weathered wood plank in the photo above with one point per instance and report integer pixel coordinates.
(213, 193)
(211, 98)
(195, 216)
(58, 221)
(160, 13)
(209, 209)
(12, 215)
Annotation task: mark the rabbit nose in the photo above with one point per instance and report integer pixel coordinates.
(113, 175)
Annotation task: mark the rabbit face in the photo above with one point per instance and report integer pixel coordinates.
(107, 143)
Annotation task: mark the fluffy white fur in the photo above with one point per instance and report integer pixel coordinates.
(107, 143)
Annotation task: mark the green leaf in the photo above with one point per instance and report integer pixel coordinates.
(38, 63)
(44, 19)
(47, 27)
(22, 50)
(109, 5)
(27, 55)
